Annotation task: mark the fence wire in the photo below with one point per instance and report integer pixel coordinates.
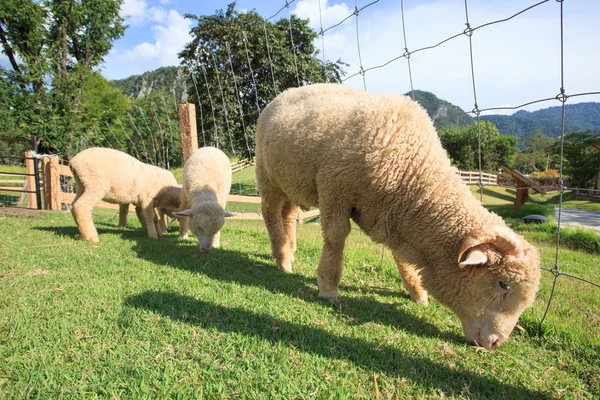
(363, 71)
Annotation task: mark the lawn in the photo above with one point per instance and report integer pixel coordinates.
(132, 317)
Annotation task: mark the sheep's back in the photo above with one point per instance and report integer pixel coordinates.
(351, 139)
(207, 176)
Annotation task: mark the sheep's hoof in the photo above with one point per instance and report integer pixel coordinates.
(286, 268)
(422, 300)
(184, 237)
(331, 295)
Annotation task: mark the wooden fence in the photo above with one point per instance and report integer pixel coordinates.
(57, 191)
(240, 165)
(472, 177)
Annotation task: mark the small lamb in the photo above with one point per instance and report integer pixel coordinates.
(116, 177)
(166, 202)
(206, 185)
(377, 160)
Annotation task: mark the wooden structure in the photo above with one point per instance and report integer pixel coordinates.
(58, 191)
(472, 177)
(189, 132)
(523, 186)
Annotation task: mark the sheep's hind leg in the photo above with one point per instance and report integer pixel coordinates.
(289, 214)
(81, 209)
(412, 282)
(272, 209)
(140, 214)
(149, 214)
(123, 211)
(335, 223)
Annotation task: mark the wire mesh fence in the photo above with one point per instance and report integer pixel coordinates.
(247, 107)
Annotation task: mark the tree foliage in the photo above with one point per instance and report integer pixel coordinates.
(581, 158)
(238, 62)
(462, 145)
(537, 153)
(52, 47)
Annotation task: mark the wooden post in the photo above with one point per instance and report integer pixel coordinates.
(522, 194)
(52, 183)
(30, 179)
(189, 132)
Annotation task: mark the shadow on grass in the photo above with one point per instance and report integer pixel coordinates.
(130, 233)
(244, 269)
(365, 354)
(500, 196)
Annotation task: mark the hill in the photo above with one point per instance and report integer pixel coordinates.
(578, 117)
(443, 113)
(170, 78)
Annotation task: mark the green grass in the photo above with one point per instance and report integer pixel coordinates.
(132, 317)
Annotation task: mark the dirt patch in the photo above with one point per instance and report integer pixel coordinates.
(21, 212)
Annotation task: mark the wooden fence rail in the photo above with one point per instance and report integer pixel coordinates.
(472, 177)
(55, 196)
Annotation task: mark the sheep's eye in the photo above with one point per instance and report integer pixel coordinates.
(504, 285)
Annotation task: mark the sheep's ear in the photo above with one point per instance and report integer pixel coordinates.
(230, 214)
(501, 237)
(184, 213)
(474, 257)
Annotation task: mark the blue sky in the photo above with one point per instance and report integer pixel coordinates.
(515, 62)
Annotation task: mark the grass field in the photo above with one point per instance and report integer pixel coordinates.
(132, 317)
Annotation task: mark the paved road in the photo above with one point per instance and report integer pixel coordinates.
(570, 216)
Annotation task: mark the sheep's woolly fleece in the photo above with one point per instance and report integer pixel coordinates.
(377, 159)
(118, 178)
(206, 185)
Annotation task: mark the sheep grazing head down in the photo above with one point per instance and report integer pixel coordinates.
(206, 222)
(499, 275)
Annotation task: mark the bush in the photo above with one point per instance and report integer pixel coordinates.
(581, 239)
(548, 178)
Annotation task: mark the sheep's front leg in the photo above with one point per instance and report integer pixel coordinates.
(140, 214)
(162, 222)
(148, 214)
(184, 227)
(82, 208)
(123, 211)
(336, 228)
(412, 282)
(216, 241)
(289, 214)
(272, 208)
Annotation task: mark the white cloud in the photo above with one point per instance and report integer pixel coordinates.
(329, 15)
(515, 61)
(169, 39)
(137, 12)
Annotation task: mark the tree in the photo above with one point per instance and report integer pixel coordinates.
(238, 62)
(537, 154)
(581, 158)
(462, 145)
(52, 47)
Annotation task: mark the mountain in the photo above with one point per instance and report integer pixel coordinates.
(443, 113)
(578, 117)
(137, 86)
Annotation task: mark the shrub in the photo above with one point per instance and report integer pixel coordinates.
(581, 239)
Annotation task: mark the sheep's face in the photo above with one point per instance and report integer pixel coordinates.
(205, 227)
(499, 275)
(206, 222)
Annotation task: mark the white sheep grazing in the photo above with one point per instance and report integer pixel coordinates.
(377, 159)
(165, 202)
(206, 185)
(118, 178)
